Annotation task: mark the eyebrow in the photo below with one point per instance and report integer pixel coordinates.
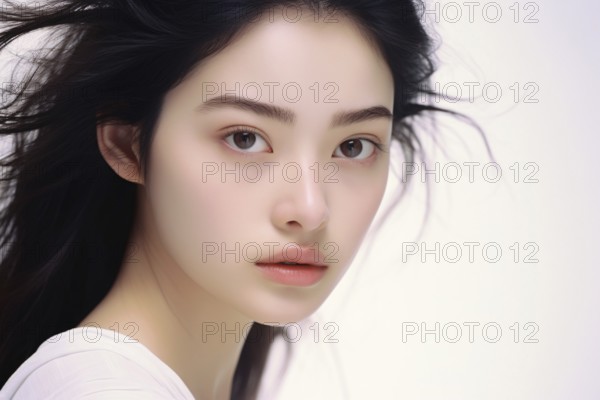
(287, 116)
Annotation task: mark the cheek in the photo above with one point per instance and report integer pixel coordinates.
(185, 212)
(188, 203)
(190, 217)
(193, 215)
(356, 203)
(174, 192)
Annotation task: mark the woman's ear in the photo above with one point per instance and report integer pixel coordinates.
(119, 145)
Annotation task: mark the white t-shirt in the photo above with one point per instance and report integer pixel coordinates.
(93, 363)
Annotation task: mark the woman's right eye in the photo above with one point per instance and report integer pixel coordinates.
(245, 140)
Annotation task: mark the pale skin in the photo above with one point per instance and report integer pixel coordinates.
(171, 293)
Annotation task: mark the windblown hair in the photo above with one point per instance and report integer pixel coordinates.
(66, 217)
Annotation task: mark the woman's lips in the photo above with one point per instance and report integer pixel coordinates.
(295, 275)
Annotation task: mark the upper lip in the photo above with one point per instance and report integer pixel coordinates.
(296, 254)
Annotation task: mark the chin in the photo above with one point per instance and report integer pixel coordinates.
(283, 312)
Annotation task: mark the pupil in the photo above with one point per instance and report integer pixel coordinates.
(244, 140)
(354, 147)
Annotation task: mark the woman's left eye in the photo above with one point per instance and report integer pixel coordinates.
(245, 139)
(357, 149)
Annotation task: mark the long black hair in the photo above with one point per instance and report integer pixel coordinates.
(66, 217)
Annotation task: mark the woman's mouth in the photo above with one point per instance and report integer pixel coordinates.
(294, 274)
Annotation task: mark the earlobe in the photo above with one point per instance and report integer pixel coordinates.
(119, 146)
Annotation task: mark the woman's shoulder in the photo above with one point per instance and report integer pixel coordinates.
(96, 364)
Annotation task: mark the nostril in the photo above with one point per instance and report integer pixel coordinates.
(293, 223)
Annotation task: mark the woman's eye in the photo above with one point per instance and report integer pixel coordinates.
(246, 140)
(356, 149)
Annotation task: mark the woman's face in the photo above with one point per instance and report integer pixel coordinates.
(308, 176)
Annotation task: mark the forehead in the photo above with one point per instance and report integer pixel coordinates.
(318, 57)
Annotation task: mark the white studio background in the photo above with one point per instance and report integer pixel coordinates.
(546, 124)
(362, 344)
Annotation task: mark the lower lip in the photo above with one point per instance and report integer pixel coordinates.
(296, 275)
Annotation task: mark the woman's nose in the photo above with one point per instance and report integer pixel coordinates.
(302, 205)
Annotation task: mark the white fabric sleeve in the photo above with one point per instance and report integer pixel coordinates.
(98, 375)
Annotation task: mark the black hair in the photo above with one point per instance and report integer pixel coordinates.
(67, 217)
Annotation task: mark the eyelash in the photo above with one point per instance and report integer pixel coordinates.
(380, 147)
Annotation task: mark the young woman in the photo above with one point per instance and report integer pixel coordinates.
(186, 177)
